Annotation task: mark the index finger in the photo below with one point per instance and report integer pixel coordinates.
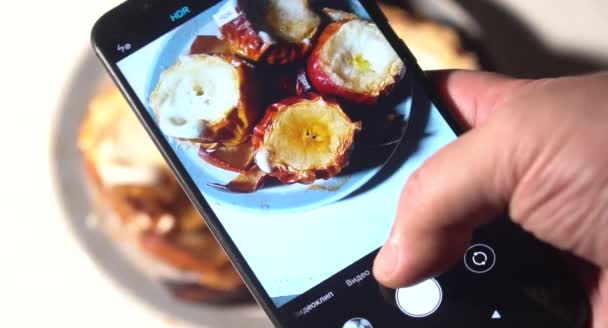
(474, 96)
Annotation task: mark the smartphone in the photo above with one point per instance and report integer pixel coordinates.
(293, 126)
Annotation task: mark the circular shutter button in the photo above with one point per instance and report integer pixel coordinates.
(420, 300)
(358, 323)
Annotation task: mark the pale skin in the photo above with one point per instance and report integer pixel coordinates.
(537, 149)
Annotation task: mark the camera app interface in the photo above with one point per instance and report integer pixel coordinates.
(300, 126)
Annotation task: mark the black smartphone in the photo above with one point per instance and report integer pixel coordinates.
(293, 126)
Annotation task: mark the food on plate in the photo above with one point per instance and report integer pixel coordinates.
(435, 45)
(272, 31)
(142, 207)
(208, 99)
(354, 61)
(213, 98)
(303, 139)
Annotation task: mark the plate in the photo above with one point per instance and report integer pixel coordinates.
(277, 199)
(74, 196)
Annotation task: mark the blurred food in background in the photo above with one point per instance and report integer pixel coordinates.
(140, 205)
(435, 45)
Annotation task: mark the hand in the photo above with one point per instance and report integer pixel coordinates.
(537, 148)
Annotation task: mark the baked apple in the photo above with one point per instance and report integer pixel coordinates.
(208, 99)
(272, 31)
(303, 139)
(354, 61)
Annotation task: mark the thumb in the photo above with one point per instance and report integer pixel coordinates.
(459, 188)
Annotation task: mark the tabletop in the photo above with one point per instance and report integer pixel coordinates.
(47, 278)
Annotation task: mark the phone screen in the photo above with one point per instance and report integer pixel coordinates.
(297, 125)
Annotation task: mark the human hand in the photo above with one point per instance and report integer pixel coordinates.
(537, 148)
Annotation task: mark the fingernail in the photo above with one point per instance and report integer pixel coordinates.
(387, 260)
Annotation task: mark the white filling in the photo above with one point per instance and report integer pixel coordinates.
(292, 20)
(262, 159)
(127, 156)
(197, 92)
(266, 37)
(359, 57)
(114, 174)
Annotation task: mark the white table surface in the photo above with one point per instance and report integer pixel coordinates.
(47, 279)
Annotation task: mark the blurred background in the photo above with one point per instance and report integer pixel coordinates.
(57, 270)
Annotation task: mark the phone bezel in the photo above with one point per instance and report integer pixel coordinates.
(138, 21)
